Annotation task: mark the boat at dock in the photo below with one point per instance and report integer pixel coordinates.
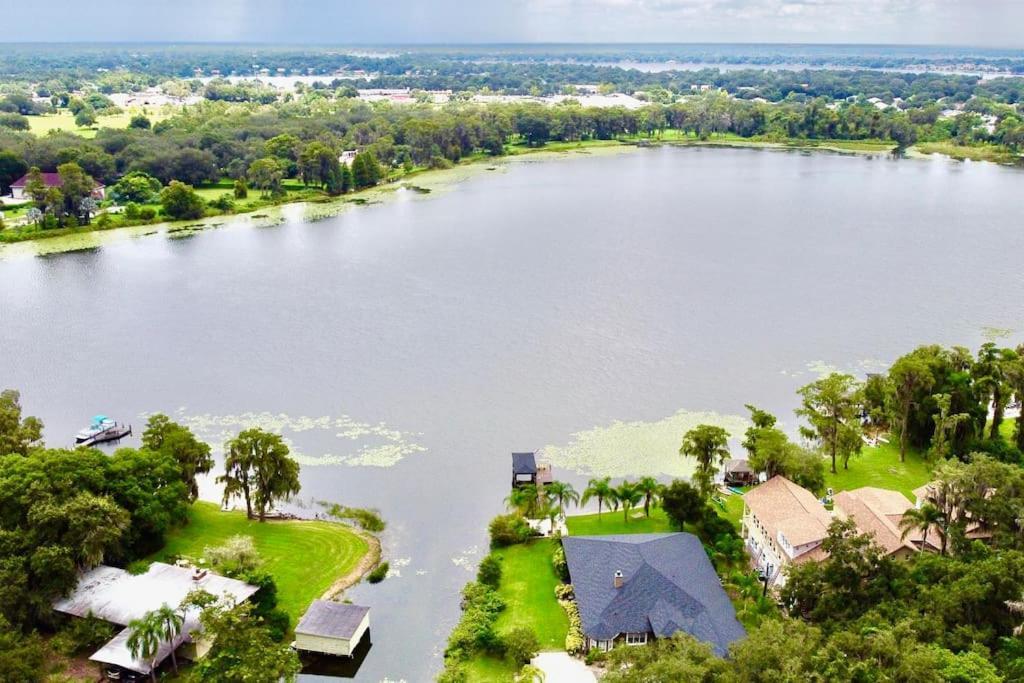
(102, 429)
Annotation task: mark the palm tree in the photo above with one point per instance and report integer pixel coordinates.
(628, 495)
(921, 519)
(523, 499)
(144, 640)
(170, 622)
(601, 489)
(562, 492)
(551, 512)
(650, 489)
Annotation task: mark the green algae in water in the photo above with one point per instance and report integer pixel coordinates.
(631, 449)
(379, 445)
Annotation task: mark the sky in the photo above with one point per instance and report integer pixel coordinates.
(987, 23)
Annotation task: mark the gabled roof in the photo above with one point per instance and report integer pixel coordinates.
(331, 619)
(874, 512)
(114, 595)
(49, 179)
(738, 465)
(524, 463)
(781, 505)
(668, 586)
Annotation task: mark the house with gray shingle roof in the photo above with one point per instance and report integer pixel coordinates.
(636, 587)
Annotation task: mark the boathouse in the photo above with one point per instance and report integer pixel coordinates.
(332, 628)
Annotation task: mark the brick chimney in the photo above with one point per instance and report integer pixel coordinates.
(617, 581)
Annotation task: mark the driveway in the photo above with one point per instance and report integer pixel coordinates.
(559, 667)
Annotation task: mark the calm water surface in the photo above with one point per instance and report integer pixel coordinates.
(526, 305)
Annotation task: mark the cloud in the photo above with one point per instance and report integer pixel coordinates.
(975, 22)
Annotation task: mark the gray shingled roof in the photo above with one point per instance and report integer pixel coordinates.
(524, 463)
(331, 619)
(669, 585)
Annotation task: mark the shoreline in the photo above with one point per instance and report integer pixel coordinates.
(422, 182)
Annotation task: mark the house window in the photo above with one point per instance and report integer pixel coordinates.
(636, 638)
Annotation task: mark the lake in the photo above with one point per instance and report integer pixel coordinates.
(594, 306)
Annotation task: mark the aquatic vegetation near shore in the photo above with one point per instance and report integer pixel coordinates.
(382, 446)
(626, 449)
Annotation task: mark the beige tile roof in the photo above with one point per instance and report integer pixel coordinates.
(876, 512)
(781, 505)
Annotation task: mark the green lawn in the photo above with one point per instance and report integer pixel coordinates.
(304, 557)
(528, 583)
(880, 466)
(64, 120)
(613, 523)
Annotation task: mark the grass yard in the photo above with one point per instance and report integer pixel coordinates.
(304, 557)
(64, 121)
(613, 523)
(880, 466)
(528, 583)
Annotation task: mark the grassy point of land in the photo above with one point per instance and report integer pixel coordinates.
(304, 557)
(880, 466)
(975, 152)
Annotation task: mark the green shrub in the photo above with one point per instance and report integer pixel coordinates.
(131, 211)
(138, 567)
(277, 623)
(560, 564)
(82, 634)
(489, 572)
(147, 213)
(223, 203)
(574, 639)
(520, 645)
(378, 573)
(368, 519)
(509, 530)
(235, 555)
(241, 189)
(564, 591)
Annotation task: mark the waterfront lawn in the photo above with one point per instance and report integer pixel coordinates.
(612, 522)
(528, 583)
(880, 466)
(64, 121)
(304, 557)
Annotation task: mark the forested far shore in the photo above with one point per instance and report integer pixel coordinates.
(245, 155)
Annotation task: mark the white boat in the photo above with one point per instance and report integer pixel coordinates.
(102, 429)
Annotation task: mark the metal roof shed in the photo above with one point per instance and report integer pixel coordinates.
(332, 628)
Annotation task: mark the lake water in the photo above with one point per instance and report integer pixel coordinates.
(407, 348)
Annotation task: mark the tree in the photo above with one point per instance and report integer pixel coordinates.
(650, 489)
(563, 493)
(140, 122)
(524, 500)
(137, 187)
(1015, 378)
(599, 489)
(911, 377)
(191, 454)
(144, 637)
(831, 407)
(366, 170)
(680, 657)
(990, 372)
(761, 421)
(170, 623)
(945, 427)
(242, 648)
(12, 167)
(682, 503)
(241, 190)
(17, 434)
(86, 117)
(257, 465)
(921, 519)
(709, 445)
(181, 202)
(266, 175)
(627, 495)
(35, 186)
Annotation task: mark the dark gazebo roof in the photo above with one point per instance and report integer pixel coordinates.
(524, 463)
